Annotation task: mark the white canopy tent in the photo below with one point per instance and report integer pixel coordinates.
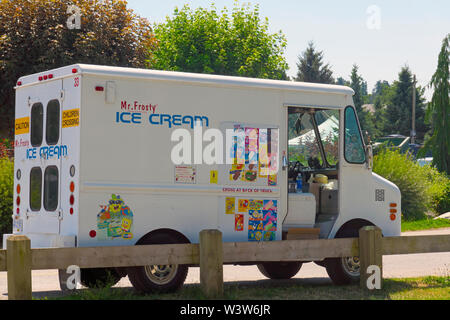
(325, 129)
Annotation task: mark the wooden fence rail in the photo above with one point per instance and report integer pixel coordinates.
(19, 260)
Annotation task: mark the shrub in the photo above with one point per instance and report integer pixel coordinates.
(441, 197)
(423, 188)
(6, 194)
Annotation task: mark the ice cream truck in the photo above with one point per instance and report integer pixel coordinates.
(111, 156)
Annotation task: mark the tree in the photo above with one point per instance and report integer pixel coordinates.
(438, 112)
(234, 43)
(356, 82)
(358, 85)
(399, 108)
(381, 95)
(34, 36)
(311, 67)
(380, 89)
(342, 82)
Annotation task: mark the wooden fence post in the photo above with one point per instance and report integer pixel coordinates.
(18, 262)
(371, 257)
(211, 263)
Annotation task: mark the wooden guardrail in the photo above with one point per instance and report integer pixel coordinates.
(210, 254)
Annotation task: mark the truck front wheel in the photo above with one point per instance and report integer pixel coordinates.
(158, 278)
(279, 270)
(345, 270)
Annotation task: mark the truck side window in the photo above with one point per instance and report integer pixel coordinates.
(354, 148)
(52, 123)
(35, 188)
(37, 124)
(51, 179)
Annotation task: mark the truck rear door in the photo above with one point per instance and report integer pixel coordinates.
(43, 158)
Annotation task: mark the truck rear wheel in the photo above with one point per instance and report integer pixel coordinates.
(99, 277)
(279, 270)
(158, 278)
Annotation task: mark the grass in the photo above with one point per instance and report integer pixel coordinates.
(425, 224)
(425, 288)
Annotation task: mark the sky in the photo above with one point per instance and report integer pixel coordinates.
(379, 36)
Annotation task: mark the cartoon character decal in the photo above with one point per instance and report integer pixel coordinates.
(115, 220)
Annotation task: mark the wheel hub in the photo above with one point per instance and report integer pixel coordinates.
(351, 265)
(161, 274)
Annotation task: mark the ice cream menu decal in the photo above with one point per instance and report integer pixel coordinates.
(255, 155)
(261, 214)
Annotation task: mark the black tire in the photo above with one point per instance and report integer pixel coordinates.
(63, 277)
(145, 279)
(345, 271)
(320, 263)
(279, 270)
(99, 277)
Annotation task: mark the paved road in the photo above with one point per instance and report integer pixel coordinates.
(45, 282)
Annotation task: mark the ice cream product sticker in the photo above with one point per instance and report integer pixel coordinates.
(115, 220)
(243, 205)
(270, 205)
(255, 235)
(230, 205)
(269, 220)
(239, 222)
(213, 176)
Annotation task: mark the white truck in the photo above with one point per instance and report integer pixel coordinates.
(96, 165)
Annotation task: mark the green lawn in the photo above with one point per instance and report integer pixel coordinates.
(425, 224)
(425, 288)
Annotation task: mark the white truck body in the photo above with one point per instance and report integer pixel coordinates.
(114, 144)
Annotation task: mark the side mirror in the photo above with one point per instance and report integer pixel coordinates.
(369, 156)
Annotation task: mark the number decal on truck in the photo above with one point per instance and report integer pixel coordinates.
(76, 82)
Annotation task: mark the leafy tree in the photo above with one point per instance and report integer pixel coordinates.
(7, 193)
(399, 109)
(228, 43)
(438, 112)
(311, 67)
(34, 36)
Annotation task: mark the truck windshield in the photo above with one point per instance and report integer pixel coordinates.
(354, 148)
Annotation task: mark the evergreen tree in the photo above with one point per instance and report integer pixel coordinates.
(342, 82)
(438, 112)
(381, 88)
(311, 67)
(358, 85)
(381, 95)
(399, 109)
